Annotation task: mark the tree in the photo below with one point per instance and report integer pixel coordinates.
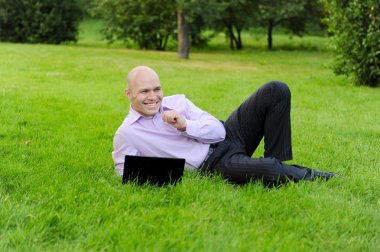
(356, 29)
(149, 23)
(183, 31)
(39, 21)
(291, 14)
(86, 7)
(192, 17)
(234, 16)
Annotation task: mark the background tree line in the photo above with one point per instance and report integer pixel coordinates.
(152, 23)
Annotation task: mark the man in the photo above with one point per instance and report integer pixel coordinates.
(174, 127)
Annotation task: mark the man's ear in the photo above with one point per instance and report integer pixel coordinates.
(128, 94)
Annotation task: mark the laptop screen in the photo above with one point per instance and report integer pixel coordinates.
(154, 170)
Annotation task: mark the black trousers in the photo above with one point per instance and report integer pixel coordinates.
(265, 114)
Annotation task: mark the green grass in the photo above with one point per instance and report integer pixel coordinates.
(59, 109)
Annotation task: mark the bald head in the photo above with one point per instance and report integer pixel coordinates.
(144, 90)
(140, 74)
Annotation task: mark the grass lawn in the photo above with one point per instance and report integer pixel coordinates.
(59, 109)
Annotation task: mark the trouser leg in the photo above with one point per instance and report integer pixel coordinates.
(266, 113)
(241, 169)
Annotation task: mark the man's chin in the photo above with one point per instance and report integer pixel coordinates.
(151, 112)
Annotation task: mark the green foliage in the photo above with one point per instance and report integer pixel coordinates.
(234, 16)
(39, 21)
(199, 15)
(291, 14)
(87, 7)
(356, 29)
(150, 23)
(197, 27)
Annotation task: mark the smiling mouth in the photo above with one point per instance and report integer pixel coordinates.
(151, 104)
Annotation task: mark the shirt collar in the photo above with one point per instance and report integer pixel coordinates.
(134, 116)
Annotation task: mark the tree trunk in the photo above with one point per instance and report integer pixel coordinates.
(270, 30)
(232, 36)
(239, 42)
(165, 42)
(232, 43)
(183, 35)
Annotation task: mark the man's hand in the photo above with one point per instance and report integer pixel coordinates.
(175, 119)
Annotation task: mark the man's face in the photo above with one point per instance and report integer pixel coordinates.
(145, 93)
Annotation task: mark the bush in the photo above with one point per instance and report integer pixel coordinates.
(39, 21)
(356, 29)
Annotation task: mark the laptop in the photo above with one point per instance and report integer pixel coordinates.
(153, 170)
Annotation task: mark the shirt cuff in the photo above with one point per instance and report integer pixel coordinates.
(191, 128)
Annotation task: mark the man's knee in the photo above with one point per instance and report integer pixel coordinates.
(280, 88)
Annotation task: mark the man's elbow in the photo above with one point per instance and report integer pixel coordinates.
(223, 136)
(119, 169)
(222, 131)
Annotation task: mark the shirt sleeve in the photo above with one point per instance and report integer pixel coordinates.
(120, 149)
(202, 126)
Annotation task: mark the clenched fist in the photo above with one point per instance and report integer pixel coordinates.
(175, 119)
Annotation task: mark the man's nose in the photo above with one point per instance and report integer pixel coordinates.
(151, 95)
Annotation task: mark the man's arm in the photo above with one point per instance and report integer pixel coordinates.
(196, 124)
(120, 149)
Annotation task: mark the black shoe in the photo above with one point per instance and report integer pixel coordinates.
(316, 174)
(312, 174)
